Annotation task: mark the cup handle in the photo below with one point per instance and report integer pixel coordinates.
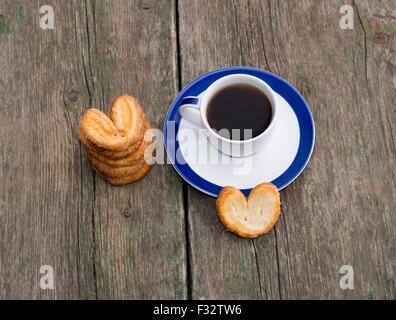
(189, 110)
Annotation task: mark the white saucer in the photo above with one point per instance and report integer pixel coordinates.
(280, 161)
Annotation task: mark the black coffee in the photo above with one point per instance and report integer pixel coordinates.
(239, 106)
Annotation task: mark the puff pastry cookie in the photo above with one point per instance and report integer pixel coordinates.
(109, 153)
(116, 146)
(131, 178)
(252, 217)
(119, 132)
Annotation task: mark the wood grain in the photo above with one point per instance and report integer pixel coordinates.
(102, 241)
(107, 242)
(223, 266)
(132, 49)
(40, 156)
(340, 211)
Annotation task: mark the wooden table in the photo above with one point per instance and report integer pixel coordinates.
(159, 237)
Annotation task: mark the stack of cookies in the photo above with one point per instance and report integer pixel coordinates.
(116, 146)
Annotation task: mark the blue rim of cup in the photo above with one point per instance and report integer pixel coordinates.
(280, 86)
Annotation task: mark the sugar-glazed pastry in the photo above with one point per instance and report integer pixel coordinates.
(118, 133)
(252, 217)
(131, 178)
(110, 172)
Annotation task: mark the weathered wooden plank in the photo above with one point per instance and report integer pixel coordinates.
(139, 228)
(340, 210)
(41, 189)
(102, 241)
(56, 211)
(216, 34)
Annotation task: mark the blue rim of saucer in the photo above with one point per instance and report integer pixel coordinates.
(280, 86)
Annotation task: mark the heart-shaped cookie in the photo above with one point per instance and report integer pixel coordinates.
(118, 133)
(115, 155)
(120, 181)
(252, 217)
(107, 171)
(129, 160)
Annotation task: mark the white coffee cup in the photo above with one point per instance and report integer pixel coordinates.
(194, 110)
